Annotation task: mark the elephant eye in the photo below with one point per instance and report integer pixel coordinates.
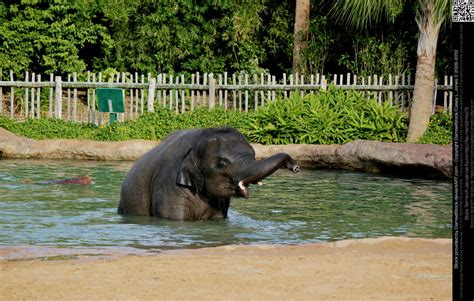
(222, 163)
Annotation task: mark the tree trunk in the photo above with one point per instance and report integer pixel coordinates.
(425, 72)
(300, 33)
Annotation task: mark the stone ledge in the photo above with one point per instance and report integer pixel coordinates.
(422, 160)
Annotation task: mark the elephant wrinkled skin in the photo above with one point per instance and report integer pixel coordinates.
(192, 174)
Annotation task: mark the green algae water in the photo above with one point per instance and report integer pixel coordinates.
(311, 206)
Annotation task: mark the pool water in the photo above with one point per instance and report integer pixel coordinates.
(311, 206)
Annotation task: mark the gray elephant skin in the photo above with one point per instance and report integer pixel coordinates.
(192, 174)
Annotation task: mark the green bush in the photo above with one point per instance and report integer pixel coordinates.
(150, 126)
(333, 116)
(48, 128)
(440, 130)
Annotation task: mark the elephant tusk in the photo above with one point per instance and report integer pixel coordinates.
(244, 191)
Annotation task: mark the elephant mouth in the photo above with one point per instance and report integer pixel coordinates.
(243, 188)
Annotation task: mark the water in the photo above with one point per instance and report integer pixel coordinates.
(311, 206)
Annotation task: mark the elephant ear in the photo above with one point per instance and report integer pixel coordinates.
(189, 174)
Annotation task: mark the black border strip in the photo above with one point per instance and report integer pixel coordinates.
(463, 163)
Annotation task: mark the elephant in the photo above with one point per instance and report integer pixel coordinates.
(192, 174)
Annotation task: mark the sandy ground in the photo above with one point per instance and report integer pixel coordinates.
(368, 269)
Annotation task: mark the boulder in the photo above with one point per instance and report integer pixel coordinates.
(307, 155)
(421, 160)
(427, 160)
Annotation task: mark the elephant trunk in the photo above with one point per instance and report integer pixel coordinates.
(256, 171)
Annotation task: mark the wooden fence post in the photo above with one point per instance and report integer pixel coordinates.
(68, 98)
(88, 98)
(177, 95)
(1, 94)
(204, 93)
(220, 90)
(198, 92)
(397, 94)
(193, 80)
(182, 92)
(269, 92)
(12, 96)
(225, 91)
(246, 81)
(171, 92)
(255, 92)
(50, 108)
(390, 93)
(136, 96)
(403, 93)
(240, 91)
(324, 83)
(58, 93)
(121, 78)
(151, 94)
(93, 100)
(435, 94)
(234, 92)
(142, 93)
(74, 97)
(212, 92)
(38, 97)
(163, 92)
(32, 114)
(27, 98)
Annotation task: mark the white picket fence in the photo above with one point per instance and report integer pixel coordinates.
(75, 100)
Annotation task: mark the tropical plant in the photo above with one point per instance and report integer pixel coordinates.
(430, 16)
(332, 116)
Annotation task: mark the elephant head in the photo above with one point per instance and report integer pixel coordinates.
(193, 174)
(223, 165)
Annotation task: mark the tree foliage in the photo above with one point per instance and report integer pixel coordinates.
(48, 35)
(186, 36)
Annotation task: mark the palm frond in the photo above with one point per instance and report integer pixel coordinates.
(442, 10)
(365, 13)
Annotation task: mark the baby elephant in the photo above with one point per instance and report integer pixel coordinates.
(193, 173)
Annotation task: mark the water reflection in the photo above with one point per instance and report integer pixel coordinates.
(312, 206)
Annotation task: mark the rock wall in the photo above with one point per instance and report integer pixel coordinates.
(423, 160)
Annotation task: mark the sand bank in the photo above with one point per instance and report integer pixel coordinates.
(367, 269)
